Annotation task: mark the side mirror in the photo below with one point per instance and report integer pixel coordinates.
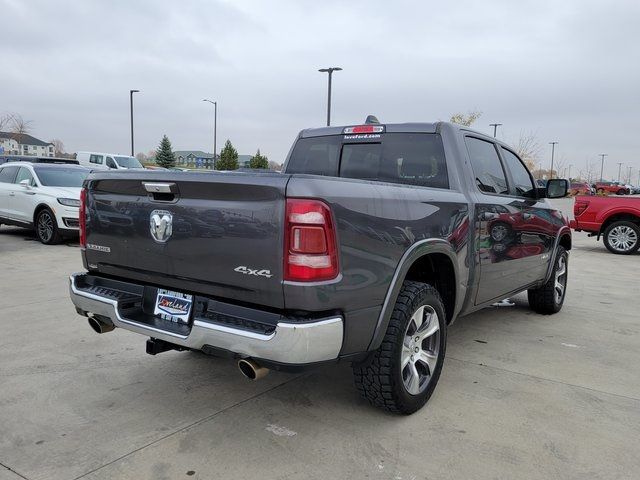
(557, 188)
(26, 183)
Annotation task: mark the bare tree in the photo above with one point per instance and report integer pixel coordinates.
(528, 149)
(466, 119)
(18, 125)
(590, 172)
(58, 147)
(274, 166)
(559, 166)
(4, 121)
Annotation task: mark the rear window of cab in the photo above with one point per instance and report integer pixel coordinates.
(404, 158)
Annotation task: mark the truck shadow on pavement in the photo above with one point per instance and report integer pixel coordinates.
(184, 375)
(30, 236)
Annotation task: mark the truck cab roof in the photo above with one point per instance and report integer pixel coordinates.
(418, 127)
(409, 127)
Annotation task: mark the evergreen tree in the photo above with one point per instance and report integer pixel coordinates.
(228, 158)
(258, 161)
(165, 157)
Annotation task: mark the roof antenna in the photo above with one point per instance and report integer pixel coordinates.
(372, 120)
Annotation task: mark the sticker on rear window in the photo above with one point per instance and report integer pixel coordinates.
(364, 136)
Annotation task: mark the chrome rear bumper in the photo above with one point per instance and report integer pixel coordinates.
(290, 342)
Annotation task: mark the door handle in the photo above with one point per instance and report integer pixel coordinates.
(11, 194)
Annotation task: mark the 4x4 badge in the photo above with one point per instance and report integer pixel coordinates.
(250, 271)
(161, 225)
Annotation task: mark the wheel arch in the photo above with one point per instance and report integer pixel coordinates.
(563, 240)
(38, 209)
(619, 216)
(432, 261)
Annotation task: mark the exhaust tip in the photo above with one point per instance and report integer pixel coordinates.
(98, 326)
(251, 369)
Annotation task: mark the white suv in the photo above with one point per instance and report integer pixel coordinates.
(44, 197)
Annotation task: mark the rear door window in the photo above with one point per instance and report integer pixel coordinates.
(7, 174)
(486, 166)
(97, 159)
(24, 174)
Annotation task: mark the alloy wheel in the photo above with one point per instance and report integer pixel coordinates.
(420, 349)
(561, 279)
(623, 238)
(45, 227)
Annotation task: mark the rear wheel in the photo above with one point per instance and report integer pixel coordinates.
(621, 192)
(622, 238)
(47, 228)
(402, 374)
(549, 298)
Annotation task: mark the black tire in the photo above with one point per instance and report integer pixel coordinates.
(614, 245)
(621, 192)
(381, 378)
(544, 299)
(47, 227)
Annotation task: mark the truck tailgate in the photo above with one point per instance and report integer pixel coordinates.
(218, 234)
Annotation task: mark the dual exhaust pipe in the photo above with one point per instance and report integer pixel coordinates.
(247, 366)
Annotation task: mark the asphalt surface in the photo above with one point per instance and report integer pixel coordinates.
(521, 395)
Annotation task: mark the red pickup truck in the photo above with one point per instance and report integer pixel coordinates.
(612, 187)
(617, 219)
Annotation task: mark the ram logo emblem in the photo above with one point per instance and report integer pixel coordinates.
(161, 225)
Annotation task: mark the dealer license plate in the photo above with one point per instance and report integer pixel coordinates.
(173, 306)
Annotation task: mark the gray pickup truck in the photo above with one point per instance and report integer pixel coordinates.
(368, 245)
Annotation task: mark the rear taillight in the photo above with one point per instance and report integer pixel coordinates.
(310, 247)
(579, 207)
(82, 221)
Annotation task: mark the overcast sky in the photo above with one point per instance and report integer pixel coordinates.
(568, 71)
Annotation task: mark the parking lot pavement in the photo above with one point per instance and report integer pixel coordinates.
(521, 395)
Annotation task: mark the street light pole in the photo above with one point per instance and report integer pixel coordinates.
(553, 149)
(629, 175)
(602, 165)
(330, 71)
(131, 92)
(569, 176)
(619, 167)
(215, 128)
(495, 128)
